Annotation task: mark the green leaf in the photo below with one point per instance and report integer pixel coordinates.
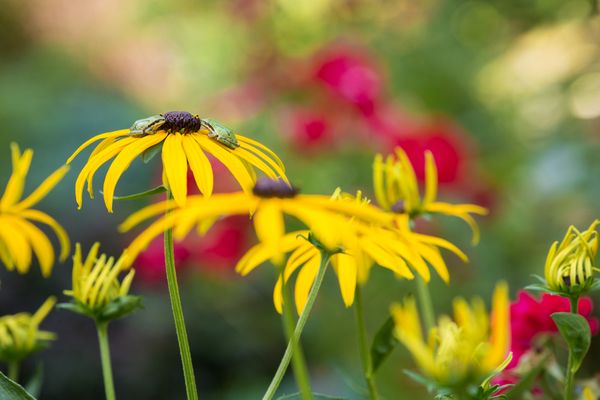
(384, 343)
(34, 386)
(576, 331)
(120, 307)
(149, 154)
(316, 396)
(11, 390)
(141, 195)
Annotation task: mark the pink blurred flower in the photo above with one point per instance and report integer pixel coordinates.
(309, 129)
(150, 265)
(350, 75)
(530, 317)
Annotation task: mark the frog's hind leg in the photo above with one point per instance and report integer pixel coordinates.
(211, 130)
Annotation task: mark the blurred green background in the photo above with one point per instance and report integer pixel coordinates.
(506, 94)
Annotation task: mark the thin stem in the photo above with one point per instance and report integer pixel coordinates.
(426, 303)
(570, 374)
(109, 387)
(298, 360)
(365, 354)
(285, 361)
(182, 337)
(13, 370)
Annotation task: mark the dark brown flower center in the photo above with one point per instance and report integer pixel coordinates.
(269, 188)
(181, 121)
(398, 207)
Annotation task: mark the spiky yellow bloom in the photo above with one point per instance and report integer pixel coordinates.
(570, 265)
(465, 350)
(397, 189)
(19, 237)
(184, 142)
(20, 334)
(361, 246)
(269, 202)
(96, 280)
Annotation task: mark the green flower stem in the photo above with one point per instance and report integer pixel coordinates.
(13, 370)
(182, 337)
(426, 303)
(570, 374)
(298, 360)
(287, 356)
(109, 387)
(365, 354)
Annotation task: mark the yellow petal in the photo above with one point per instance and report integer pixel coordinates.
(39, 243)
(16, 182)
(247, 143)
(269, 226)
(42, 190)
(17, 245)
(272, 170)
(43, 311)
(378, 186)
(146, 213)
(386, 259)
(228, 158)
(61, 234)
(346, 271)
(304, 283)
(114, 134)
(175, 167)
(431, 179)
(500, 329)
(199, 164)
(122, 162)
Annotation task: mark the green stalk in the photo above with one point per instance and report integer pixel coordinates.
(298, 360)
(285, 361)
(570, 374)
(13, 370)
(109, 387)
(426, 303)
(182, 337)
(365, 354)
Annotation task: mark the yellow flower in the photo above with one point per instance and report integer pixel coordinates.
(269, 201)
(18, 236)
(183, 143)
(361, 246)
(569, 266)
(465, 350)
(397, 190)
(20, 334)
(95, 280)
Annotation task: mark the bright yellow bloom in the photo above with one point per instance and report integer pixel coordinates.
(467, 349)
(268, 204)
(569, 266)
(20, 334)
(96, 280)
(397, 189)
(181, 148)
(361, 246)
(18, 236)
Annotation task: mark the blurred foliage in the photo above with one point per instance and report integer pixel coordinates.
(506, 93)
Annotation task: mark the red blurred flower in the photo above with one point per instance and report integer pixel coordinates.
(150, 265)
(530, 317)
(309, 128)
(351, 76)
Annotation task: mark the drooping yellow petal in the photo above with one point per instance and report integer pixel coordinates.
(114, 134)
(146, 213)
(247, 143)
(39, 243)
(500, 329)
(61, 234)
(258, 163)
(304, 282)
(42, 190)
(122, 162)
(386, 259)
(199, 164)
(269, 226)
(378, 186)
(347, 274)
(175, 167)
(229, 160)
(43, 311)
(16, 182)
(16, 243)
(431, 179)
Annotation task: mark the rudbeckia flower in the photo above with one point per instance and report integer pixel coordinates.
(397, 190)
(19, 237)
(361, 246)
(569, 268)
(269, 202)
(96, 279)
(20, 334)
(463, 351)
(183, 141)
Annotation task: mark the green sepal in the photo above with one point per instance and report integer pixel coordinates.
(118, 308)
(135, 196)
(316, 396)
(11, 390)
(149, 153)
(383, 344)
(34, 386)
(431, 385)
(577, 333)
